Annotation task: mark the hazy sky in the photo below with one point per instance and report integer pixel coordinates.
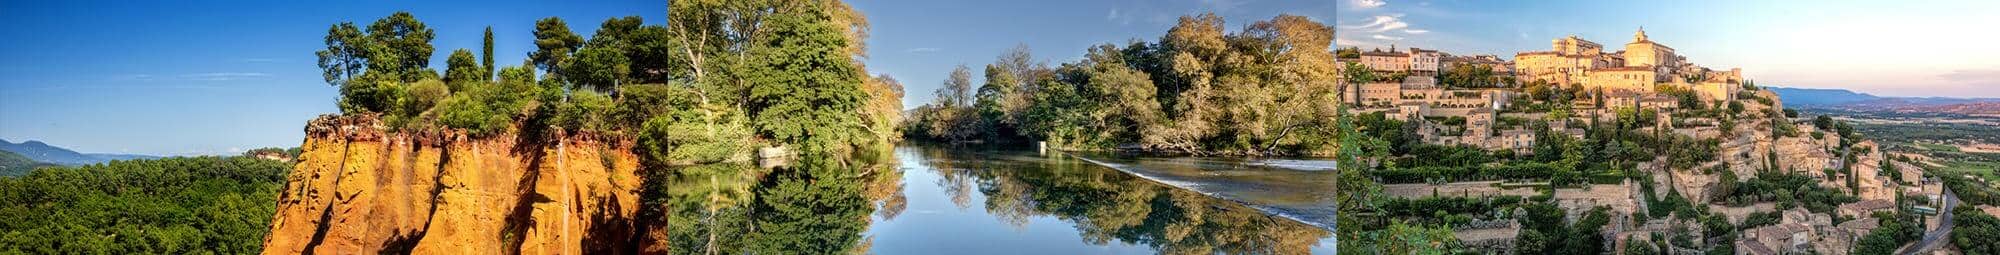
(218, 77)
(1896, 48)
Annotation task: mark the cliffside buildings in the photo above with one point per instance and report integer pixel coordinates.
(1643, 66)
(1414, 87)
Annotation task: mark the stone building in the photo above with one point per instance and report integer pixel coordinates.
(1864, 208)
(1643, 52)
(1386, 61)
(1423, 62)
(1623, 78)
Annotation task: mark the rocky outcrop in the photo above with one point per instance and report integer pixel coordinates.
(358, 189)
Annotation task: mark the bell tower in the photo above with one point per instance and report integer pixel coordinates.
(1641, 36)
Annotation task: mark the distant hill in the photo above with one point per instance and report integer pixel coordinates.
(1854, 101)
(1820, 97)
(12, 164)
(42, 152)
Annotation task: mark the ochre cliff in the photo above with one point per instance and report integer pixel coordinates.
(358, 189)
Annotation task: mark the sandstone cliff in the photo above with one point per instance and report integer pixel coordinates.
(358, 189)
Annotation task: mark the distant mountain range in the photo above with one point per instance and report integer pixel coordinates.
(42, 152)
(16, 165)
(1854, 101)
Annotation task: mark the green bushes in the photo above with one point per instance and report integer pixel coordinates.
(160, 206)
(677, 128)
(584, 111)
(1510, 171)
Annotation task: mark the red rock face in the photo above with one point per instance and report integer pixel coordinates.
(357, 189)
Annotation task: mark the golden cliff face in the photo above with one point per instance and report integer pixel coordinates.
(357, 189)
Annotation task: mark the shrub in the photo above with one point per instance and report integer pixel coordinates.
(585, 110)
(491, 109)
(678, 129)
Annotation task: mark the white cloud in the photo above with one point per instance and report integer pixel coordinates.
(1416, 31)
(1385, 37)
(920, 50)
(1976, 77)
(224, 76)
(1382, 23)
(1365, 4)
(1120, 17)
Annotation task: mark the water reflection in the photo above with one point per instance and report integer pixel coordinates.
(933, 200)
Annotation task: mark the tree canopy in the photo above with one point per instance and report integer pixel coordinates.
(1199, 89)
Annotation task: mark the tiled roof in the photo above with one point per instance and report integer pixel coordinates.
(1384, 54)
(1622, 69)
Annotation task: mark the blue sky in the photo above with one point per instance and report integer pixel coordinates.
(1895, 48)
(218, 77)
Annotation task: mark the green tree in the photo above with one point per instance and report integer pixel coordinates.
(345, 55)
(995, 101)
(553, 45)
(1411, 239)
(678, 129)
(600, 68)
(806, 88)
(1975, 231)
(957, 88)
(486, 54)
(462, 68)
(400, 45)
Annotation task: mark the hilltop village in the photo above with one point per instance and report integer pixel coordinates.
(1576, 150)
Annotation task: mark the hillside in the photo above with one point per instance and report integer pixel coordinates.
(44, 152)
(12, 164)
(359, 189)
(1809, 97)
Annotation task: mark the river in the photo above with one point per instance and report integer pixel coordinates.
(976, 201)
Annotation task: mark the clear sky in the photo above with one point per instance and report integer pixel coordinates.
(1891, 48)
(919, 41)
(218, 77)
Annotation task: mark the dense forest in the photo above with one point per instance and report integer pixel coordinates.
(1199, 89)
(156, 206)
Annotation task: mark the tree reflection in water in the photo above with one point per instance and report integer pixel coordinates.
(822, 209)
(812, 207)
(1106, 205)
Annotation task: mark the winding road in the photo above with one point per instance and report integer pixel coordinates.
(1936, 237)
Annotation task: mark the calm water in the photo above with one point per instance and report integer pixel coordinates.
(963, 201)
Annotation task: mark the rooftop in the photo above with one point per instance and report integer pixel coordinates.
(1869, 205)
